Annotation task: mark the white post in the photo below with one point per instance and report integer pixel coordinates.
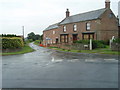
(90, 44)
(110, 42)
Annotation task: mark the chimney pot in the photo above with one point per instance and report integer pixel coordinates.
(107, 4)
(67, 13)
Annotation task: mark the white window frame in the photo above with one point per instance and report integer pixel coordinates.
(64, 29)
(88, 26)
(53, 32)
(74, 27)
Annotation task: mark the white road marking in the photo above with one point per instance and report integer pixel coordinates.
(90, 60)
(111, 60)
(55, 60)
(73, 60)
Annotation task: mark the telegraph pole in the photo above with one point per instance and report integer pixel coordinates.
(23, 32)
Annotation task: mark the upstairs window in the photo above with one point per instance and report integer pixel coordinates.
(53, 32)
(87, 26)
(64, 29)
(74, 27)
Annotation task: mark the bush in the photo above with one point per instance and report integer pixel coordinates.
(82, 41)
(95, 43)
(117, 40)
(98, 44)
(12, 43)
(8, 35)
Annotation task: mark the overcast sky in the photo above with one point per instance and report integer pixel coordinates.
(36, 15)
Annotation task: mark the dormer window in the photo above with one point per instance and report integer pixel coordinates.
(87, 26)
(64, 29)
(74, 27)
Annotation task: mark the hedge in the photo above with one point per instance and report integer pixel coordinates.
(99, 44)
(117, 40)
(83, 41)
(12, 42)
(95, 43)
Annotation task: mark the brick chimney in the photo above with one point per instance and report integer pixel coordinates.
(67, 13)
(107, 4)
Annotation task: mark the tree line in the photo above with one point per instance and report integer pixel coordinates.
(32, 36)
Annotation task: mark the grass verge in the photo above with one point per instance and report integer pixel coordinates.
(25, 49)
(37, 42)
(98, 50)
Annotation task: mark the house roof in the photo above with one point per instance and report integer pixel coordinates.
(91, 15)
(83, 16)
(52, 27)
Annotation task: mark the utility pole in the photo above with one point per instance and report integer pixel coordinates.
(23, 32)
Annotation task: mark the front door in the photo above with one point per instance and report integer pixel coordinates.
(56, 40)
(74, 37)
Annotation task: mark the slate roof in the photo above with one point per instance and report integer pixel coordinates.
(91, 15)
(54, 26)
(83, 16)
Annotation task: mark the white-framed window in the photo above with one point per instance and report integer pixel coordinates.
(64, 29)
(74, 27)
(53, 32)
(87, 26)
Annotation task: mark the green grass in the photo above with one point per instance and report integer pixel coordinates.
(25, 49)
(98, 50)
(36, 43)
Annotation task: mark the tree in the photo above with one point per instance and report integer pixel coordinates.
(31, 36)
(41, 37)
(34, 37)
(37, 37)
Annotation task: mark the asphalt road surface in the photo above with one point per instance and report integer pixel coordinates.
(45, 68)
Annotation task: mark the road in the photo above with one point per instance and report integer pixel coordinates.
(45, 68)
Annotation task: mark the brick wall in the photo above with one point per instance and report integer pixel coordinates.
(73, 46)
(104, 28)
(115, 46)
(52, 35)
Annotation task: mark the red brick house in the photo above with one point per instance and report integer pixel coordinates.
(99, 24)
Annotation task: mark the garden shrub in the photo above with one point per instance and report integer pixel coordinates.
(95, 43)
(117, 40)
(98, 44)
(83, 41)
(12, 43)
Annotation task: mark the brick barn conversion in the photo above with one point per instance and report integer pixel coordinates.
(100, 24)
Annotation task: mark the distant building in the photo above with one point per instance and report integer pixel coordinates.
(99, 24)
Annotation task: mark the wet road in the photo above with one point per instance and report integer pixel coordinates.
(46, 68)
